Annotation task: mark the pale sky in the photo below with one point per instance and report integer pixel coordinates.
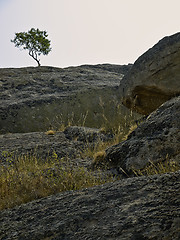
(87, 31)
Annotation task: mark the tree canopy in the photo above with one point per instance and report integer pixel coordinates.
(35, 41)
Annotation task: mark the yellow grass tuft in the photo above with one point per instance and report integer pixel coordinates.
(50, 132)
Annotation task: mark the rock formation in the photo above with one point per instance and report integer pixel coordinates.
(34, 99)
(154, 77)
(136, 208)
(142, 208)
(153, 140)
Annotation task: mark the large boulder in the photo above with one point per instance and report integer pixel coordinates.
(154, 77)
(35, 99)
(155, 140)
(131, 209)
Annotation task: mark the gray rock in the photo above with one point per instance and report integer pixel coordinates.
(154, 77)
(39, 144)
(68, 144)
(35, 99)
(85, 134)
(121, 69)
(132, 209)
(153, 140)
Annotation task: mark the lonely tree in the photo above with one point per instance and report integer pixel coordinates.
(35, 41)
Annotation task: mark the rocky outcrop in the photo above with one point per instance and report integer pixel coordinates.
(131, 209)
(154, 140)
(154, 77)
(35, 99)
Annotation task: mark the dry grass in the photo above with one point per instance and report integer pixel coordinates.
(131, 129)
(99, 159)
(50, 132)
(27, 178)
(161, 167)
(108, 115)
(97, 151)
(61, 122)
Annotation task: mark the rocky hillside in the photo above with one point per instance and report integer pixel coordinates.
(130, 208)
(35, 99)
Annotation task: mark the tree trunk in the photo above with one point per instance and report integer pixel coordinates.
(38, 61)
(31, 53)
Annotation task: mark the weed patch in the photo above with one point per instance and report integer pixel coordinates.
(26, 178)
(158, 168)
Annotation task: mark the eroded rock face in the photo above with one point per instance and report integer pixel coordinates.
(154, 77)
(34, 99)
(131, 209)
(154, 140)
